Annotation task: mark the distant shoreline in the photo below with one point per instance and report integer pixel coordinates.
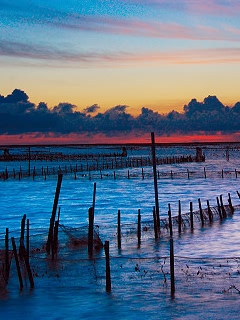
(165, 144)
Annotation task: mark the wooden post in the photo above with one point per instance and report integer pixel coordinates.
(90, 230)
(108, 272)
(139, 228)
(119, 229)
(201, 212)
(142, 174)
(219, 209)
(155, 223)
(17, 263)
(205, 175)
(54, 210)
(170, 220)
(55, 240)
(172, 268)
(230, 203)
(179, 217)
(155, 182)
(29, 272)
(21, 246)
(191, 216)
(210, 215)
(94, 196)
(224, 214)
(7, 264)
(222, 173)
(236, 173)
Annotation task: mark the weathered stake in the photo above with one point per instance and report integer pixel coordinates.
(54, 210)
(230, 203)
(201, 212)
(179, 217)
(108, 272)
(17, 263)
(155, 223)
(210, 215)
(119, 229)
(224, 214)
(172, 268)
(139, 228)
(90, 230)
(219, 209)
(191, 216)
(170, 220)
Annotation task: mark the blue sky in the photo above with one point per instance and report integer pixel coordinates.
(158, 54)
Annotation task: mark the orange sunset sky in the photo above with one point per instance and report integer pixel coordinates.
(154, 54)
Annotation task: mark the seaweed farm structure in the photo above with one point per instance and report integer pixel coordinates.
(38, 251)
(90, 163)
(100, 236)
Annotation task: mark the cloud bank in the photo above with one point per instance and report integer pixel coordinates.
(19, 116)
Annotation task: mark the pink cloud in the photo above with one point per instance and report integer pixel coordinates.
(212, 7)
(122, 58)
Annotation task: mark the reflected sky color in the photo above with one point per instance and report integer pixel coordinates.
(157, 54)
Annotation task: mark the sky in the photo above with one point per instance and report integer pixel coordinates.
(146, 55)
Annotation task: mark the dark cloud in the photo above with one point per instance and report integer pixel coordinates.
(92, 109)
(20, 116)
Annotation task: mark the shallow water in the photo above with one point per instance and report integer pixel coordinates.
(73, 286)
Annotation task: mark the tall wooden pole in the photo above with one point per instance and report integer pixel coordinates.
(108, 272)
(54, 211)
(90, 230)
(155, 181)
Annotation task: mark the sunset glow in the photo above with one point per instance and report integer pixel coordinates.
(153, 54)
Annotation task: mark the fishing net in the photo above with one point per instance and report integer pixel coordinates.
(79, 236)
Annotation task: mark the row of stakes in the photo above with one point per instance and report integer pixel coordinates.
(52, 242)
(54, 171)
